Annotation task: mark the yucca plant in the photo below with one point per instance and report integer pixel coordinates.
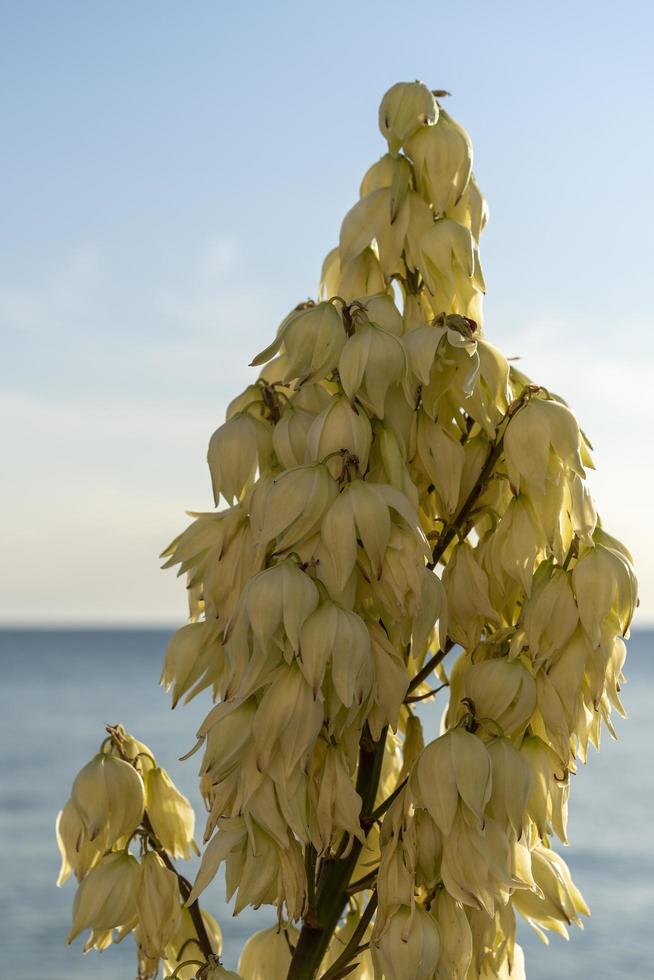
(398, 510)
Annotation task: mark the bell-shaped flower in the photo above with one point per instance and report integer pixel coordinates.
(226, 732)
(468, 602)
(78, 854)
(239, 448)
(429, 849)
(371, 361)
(370, 219)
(407, 107)
(547, 804)
(295, 505)
(341, 427)
(362, 512)
(455, 936)
(477, 863)
(441, 457)
(106, 898)
(471, 209)
(361, 276)
(289, 438)
(398, 592)
(538, 431)
(286, 723)
(390, 681)
(157, 903)
(311, 338)
(511, 785)
(170, 814)
(550, 614)
(337, 637)
(455, 767)
(408, 947)
(274, 606)
(337, 805)
(502, 691)
(194, 660)
(449, 259)
(604, 582)
(515, 544)
(267, 954)
(442, 158)
(109, 797)
(557, 903)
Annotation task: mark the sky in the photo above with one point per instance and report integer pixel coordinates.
(172, 175)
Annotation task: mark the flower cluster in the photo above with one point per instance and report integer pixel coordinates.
(122, 802)
(387, 490)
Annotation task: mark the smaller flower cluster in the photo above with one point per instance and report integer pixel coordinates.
(123, 802)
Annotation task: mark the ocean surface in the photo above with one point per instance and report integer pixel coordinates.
(60, 688)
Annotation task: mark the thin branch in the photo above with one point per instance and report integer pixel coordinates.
(431, 665)
(387, 803)
(428, 694)
(495, 451)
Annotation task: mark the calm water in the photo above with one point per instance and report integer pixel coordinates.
(58, 690)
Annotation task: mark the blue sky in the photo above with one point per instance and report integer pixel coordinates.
(173, 174)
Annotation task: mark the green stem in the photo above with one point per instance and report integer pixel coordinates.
(336, 872)
(350, 951)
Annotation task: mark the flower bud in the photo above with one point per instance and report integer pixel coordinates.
(106, 898)
(406, 108)
(409, 946)
(109, 797)
(157, 904)
(170, 814)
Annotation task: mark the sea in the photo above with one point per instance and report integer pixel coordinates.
(59, 689)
